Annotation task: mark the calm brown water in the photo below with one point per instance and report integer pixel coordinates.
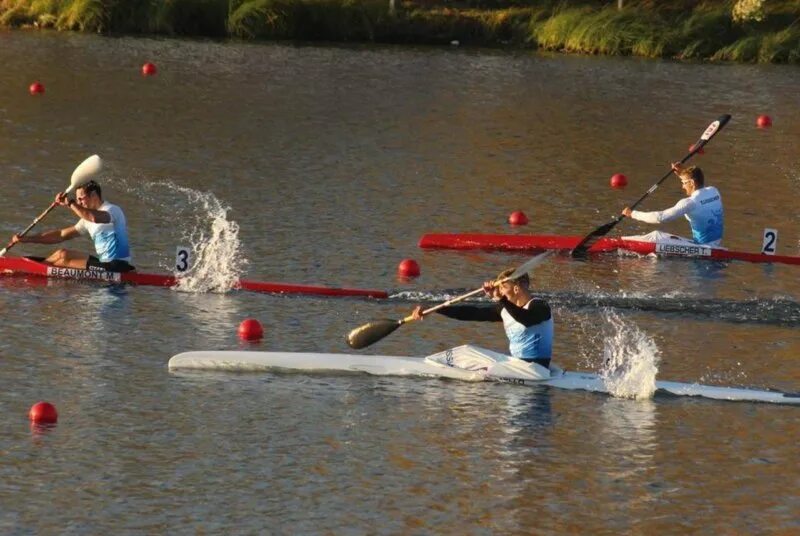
(333, 161)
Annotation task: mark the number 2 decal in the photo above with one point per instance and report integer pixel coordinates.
(769, 242)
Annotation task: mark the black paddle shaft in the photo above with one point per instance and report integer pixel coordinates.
(583, 246)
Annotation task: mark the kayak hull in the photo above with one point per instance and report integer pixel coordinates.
(379, 365)
(500, 242)
(241, 361)
(21, 266)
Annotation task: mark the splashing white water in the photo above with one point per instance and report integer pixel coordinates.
(630, 359)
(217, 260)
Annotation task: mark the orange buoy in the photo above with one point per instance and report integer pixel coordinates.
(408, 268)
(43, 413)
(763, 121)
(619, 181)
(250, 330)
(518, 218)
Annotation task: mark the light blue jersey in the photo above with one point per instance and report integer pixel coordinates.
(110, 239)
(706, 216)
(704, 211)
(528, 342)
(529, 328)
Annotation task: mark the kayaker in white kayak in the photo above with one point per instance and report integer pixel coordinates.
(528, 321)
(702, 207)
(102, 221)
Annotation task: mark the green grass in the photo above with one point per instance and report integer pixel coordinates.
(744, 50)
(264, 19)
(781, 47)
(188, 17)
(705, 31)
(681, 29)
(330, 20)
(555, 31)
(83, 16)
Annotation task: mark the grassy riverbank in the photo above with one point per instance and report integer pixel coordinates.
(685, 29)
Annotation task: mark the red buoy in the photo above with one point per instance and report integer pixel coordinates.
(702, 150)
(619, 181)
(36, 88)
(408, 268)
(43, 413)
(149, 69)
(518, 218)
(764, 121)
(250, 330)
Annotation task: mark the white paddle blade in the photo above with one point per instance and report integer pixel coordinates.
(530, 264)
(87, 170)
(715, 126)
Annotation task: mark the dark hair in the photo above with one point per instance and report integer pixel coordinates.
(694, 173)
(90, 187)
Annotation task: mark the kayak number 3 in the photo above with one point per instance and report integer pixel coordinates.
(183, 259)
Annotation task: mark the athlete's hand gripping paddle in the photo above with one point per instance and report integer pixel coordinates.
(584, 245)
(82, 174)
(372, 332)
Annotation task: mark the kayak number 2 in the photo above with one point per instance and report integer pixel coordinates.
(769, 242)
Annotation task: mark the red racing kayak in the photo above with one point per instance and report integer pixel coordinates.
(21, 266)
(499, 242)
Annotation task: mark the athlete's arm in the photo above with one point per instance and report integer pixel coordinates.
(537, 312)
(473, 312)
(681, 208)
(48, 237)
(94, 216)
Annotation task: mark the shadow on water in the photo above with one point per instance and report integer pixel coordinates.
(530, 411)
(708, 270)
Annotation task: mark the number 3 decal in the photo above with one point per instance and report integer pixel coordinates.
(183, 259)
(770, 242)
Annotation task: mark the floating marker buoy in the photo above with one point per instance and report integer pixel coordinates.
(149, 69)
(619, 181)
(36, 88)
(408, 268)
(250, 330)
(517, 218)
(763, 121)
(43, 413)
(701, 151)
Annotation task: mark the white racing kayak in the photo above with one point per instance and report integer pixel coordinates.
(466, 363)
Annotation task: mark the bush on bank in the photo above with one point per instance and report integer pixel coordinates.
(730, 30)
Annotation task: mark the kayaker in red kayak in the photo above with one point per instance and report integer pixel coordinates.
(702, 206)
(102, 221)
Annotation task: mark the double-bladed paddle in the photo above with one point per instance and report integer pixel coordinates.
(82, 174)
(584, 245)
(372, 332)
